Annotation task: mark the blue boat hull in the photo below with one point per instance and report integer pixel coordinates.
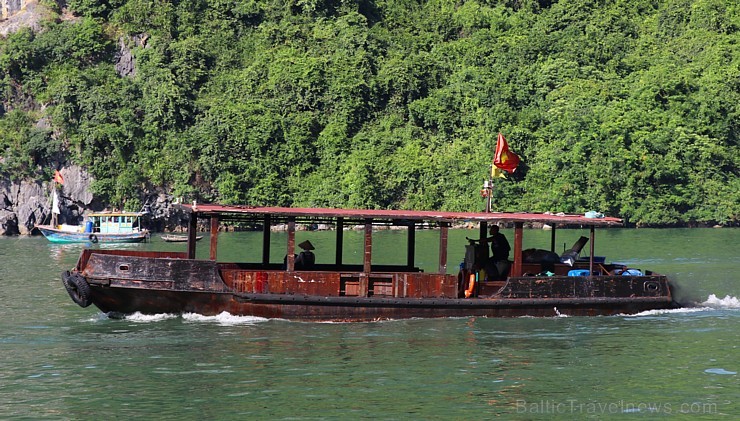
(59, 236)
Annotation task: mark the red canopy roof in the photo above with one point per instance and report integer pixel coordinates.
(237, 211)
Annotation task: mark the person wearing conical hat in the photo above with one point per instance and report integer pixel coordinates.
(306, 258)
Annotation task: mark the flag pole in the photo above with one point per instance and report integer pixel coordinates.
(490, 195)
(487, 190)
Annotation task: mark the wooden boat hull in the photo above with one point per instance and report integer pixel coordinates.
(316, 308)
(59, 236)
(168, 283)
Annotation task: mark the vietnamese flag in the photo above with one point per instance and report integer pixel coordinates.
(504, 158)
(58, 177)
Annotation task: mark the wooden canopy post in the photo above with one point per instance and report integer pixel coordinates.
(291, 245)
(552, 238)
(443, 233)
(411, 245)
(516, 269)
(368, 249)
(591, 252)
(192, 233)
(339, 241)
(214, 236)
(483, 231)
(266, 223)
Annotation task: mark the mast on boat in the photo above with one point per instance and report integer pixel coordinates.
(55, 211)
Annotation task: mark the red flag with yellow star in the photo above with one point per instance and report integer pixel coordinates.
(504, 158)
(58, 177)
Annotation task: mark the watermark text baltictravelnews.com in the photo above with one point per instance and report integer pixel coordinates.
(572, 406)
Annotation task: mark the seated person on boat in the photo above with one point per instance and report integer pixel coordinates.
(306, 258)
(497, 266)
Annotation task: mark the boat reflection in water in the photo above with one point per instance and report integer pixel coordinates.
(173, 238)
(532, 283)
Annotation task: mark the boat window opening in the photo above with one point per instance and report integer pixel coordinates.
(336, 248)
(347, 250)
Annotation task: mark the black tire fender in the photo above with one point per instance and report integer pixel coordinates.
(77, 288)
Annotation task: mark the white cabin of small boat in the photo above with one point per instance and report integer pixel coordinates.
(113, 222)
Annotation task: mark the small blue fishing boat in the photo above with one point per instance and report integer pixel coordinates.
(101, 227)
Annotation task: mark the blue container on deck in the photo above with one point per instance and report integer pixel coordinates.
(578, 272)
(89, 226)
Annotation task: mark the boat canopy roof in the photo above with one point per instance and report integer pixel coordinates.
(387, 216)
(106, 213)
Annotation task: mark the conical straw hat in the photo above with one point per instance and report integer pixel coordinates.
(306, 245)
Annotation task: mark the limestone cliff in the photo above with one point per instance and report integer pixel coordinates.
(17, 14)
(24, 204)
(28, 203)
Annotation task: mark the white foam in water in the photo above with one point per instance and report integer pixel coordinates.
(727, 302)
(224, 319)
(720, 371)
(558, 314)
(712, 303)
(98, 317)
(667, 311)
(146, 318)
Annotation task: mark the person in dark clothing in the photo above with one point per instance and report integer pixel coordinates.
(306, 259)
(497, 266)
(500, 247)
(500, 254)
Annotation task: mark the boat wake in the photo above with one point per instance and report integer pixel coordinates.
(712, 303)
(728, 302)
(224, 319)
(146, 318)
(681, 310)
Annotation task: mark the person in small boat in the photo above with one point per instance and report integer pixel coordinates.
(306, 258)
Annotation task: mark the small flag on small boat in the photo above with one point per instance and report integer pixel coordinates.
(504, 158)
(58, 177)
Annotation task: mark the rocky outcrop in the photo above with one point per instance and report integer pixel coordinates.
(162, 214)
(9, 8)
(28, 203)
(17, 14)
(23, 206)
(125, 61)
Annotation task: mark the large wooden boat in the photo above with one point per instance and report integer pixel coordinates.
(128, 281)
(103, 227)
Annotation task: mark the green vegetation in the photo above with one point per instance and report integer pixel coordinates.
(625, 107)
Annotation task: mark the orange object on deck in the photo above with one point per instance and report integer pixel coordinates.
(471, 286)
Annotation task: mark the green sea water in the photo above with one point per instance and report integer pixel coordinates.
(60, 361)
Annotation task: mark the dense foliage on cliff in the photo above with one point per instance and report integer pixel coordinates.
(625, 107)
